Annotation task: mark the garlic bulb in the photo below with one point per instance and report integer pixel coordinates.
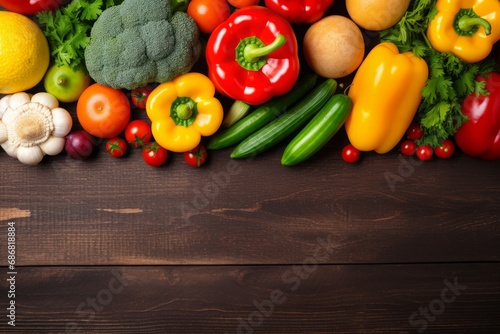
(32, 126)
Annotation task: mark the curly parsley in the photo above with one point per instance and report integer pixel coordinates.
(450, 79)
(68, 29)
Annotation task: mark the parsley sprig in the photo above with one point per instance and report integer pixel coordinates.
(450, 79)
(68, 29)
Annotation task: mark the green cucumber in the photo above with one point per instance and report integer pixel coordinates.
(321, 129)
(262, 115)
(284, 126)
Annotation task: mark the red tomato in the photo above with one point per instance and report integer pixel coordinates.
(138, 133)
(30, 7)
(139, 96)
(208, 14)
(425, 152)
(350, 154)
(103, 111)
(408, 147)
(446, 149)
(414, 131)
(243, 3)
(116, 147)
(154, 155)
(196, 157)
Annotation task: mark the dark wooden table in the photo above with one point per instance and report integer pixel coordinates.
(387, 245)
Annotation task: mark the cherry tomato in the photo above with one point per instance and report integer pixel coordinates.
(102, 111)
(414, 131)
(139, 96)
(425, 152)
(154, 155)
(243, 3)
(138, 133)
(116, 147)
(350, 154)
(208, 14)
(196, 157)
(446, 149)
(408, 147)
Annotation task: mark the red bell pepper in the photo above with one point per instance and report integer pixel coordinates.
(253, 55)
(300, 11)
(31, 7)
(479, 136)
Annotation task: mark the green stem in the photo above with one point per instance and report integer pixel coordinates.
(467, 23)
(253, 52)
(185, 110)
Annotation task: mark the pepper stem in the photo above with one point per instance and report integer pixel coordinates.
(467, 23)
(185, 110)
(253, 52)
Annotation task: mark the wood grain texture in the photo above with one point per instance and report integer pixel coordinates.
(113, 212)
(237, 299)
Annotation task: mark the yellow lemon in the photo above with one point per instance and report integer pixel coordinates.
(24, 53)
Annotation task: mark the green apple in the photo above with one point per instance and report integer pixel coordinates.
(65, 83)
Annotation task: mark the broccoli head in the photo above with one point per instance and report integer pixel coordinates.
(141, 42)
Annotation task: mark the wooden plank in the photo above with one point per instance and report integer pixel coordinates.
(108, 211)
(447, 298)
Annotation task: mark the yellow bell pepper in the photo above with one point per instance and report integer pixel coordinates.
(386, 93)
(183, 110)
(466, 28)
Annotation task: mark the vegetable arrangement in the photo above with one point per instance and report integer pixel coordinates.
(429, 83)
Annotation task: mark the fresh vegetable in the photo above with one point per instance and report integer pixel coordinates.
(424, 152)
(376, 15)
(466, 28)
(243, 3)
(24, 53)
(262, 115)
(102, 111)
(154, 155)
(141, 42)
(196, 157)
(334, 47)
(319, 131)
(479, 136)
(208, 14)
(116, 147)
(237, 111)
(65, 83)
(282, 127)
(446, 149)
(139, 96)
(30, 7)
(253, 55)
(68, 28)
(138, 133)
(183, 110)
(32, 126)
(450, 79)
(414, 131)
(386, 92)
(408, 147)
(300, 11)
(79, 145)
(350, 154)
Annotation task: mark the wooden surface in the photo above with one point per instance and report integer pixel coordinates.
(388, 245)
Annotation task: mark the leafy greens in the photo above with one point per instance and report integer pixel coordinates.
(450, 79)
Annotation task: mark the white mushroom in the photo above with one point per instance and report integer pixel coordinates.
(32, 126)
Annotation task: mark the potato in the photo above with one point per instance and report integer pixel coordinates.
(334, 47)
(376, 15)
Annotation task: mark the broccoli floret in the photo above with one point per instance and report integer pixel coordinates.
(141, 42)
